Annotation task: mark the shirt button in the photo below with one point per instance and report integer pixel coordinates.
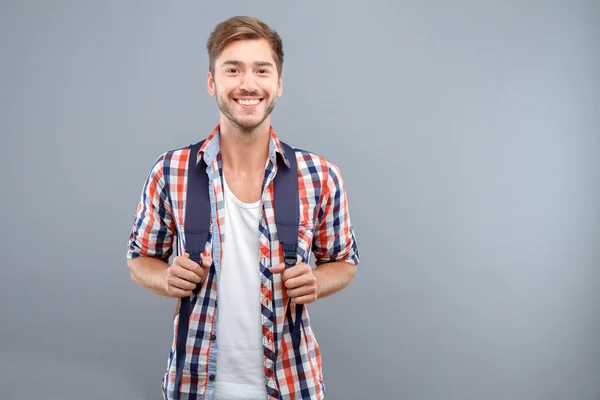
(213, 337)
(212, 377)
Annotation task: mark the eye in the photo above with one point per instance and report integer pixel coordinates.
(263, 71)
(232, 70)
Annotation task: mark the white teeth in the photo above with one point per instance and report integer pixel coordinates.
(249, 102)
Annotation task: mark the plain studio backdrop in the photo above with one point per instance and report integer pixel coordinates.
(468, 135)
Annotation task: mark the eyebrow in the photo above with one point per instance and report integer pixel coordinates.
(238, 63)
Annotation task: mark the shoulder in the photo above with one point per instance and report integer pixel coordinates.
(171, 163)
(317, 168)
(176, 157)
(318, 172)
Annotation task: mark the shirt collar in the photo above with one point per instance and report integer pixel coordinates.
(211, 148)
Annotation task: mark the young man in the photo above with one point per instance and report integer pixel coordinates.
(239, 341)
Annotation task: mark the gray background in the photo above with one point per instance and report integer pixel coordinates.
(468, 135)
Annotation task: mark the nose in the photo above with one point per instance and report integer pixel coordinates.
(249, 82)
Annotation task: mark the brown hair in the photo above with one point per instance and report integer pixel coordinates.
(242, 28)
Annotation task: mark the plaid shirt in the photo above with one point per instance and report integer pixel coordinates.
(325, 230)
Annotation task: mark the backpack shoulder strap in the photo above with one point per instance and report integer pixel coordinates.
(287, 214)
(287, 219)
(196, 230)
(197, 206)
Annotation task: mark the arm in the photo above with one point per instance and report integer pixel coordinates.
(334, 247)
(333, 277)
(151, 238)
(305, 285)
(151, 244)
(176, 280)
(150, 273)
(334, 244)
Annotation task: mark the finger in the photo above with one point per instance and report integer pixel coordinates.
(176, 292)
(296, 270)
(299, 281)
(187, 264)
(277, 269)
(302, 291)
(182, 284)
(187, 275)
(305, 299)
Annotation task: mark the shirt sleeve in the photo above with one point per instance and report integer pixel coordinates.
(153, 229)
(334, 238)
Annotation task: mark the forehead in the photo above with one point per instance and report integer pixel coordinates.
(248, 51)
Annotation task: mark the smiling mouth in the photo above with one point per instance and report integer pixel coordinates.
(248, 103)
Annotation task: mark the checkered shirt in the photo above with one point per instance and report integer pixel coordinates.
(325, 231)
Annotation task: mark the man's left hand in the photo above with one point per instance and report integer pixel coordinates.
(300, 282)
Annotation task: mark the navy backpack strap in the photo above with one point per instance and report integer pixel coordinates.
(287, 219)
(196, 229)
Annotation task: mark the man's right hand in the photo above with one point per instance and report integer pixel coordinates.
(184, 274)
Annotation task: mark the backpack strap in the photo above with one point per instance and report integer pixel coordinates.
(287, 212)
(287, 219)
(196, 228)
(197, 207)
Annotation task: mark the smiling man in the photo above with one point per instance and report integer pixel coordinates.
(236, 335)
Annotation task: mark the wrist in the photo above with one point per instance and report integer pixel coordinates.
(319, 278)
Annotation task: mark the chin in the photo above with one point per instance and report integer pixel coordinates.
(249, 124)
(248, 127)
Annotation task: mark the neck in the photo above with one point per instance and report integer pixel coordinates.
(244, 151)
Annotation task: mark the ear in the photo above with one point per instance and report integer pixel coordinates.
(280, 85)
(210, 83)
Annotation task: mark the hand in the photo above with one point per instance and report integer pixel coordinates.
(300, 282)
(184, 274)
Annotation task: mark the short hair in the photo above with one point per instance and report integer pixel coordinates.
(242, 28)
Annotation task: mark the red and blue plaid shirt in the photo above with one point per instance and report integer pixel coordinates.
(325, 231)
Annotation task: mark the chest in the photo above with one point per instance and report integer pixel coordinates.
(247, 188)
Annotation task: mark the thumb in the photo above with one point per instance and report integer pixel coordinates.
(206, 261)
(278, 269)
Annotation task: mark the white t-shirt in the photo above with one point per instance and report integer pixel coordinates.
(240, 364)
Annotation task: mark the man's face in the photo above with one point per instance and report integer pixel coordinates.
(246, 83)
